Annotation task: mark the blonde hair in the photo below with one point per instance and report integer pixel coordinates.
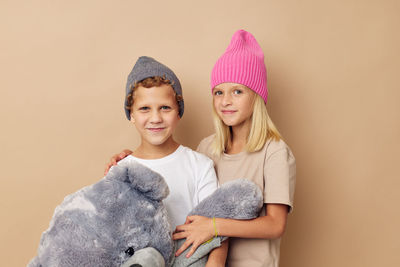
(261, 130)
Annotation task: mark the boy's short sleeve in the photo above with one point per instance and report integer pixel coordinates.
(207, 182)
(280, 177)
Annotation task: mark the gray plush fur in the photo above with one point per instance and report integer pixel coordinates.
(97, 225)
(237, 199)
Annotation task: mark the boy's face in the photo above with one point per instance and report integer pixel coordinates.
(155, 113)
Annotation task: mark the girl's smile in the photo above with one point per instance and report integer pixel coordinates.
(228, 111)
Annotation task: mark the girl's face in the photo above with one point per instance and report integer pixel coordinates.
(233, 103)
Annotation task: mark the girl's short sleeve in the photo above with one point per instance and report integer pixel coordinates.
(280, 177)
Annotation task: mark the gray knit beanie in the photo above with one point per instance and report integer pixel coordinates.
(146, 67)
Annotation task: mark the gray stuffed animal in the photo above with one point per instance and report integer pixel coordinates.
(121, 221)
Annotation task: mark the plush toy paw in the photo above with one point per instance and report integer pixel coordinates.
(237, 199)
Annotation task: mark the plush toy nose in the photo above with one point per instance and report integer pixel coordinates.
(145, 257)
(130, 251)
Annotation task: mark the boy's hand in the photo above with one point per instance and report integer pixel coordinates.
(196, 230)
(117, 157)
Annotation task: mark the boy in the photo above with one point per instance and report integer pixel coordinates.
(155, 105)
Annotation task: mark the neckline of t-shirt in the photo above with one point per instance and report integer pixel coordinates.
(240, 155)
(234, 156)
(160, 160)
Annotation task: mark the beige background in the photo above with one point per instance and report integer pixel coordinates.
(333, 71)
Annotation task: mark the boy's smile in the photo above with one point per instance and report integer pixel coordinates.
(156, 129)
(155, 113)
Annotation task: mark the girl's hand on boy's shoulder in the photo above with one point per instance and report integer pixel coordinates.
(196, 230)
(117, 157)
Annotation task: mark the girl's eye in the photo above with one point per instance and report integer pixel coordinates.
(237, 91)
(217, 93)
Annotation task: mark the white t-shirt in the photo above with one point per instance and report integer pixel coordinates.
(190, 177)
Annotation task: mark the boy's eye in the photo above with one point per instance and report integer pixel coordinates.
(144, 108)
(165, 107)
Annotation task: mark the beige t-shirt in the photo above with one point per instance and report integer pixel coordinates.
(273, 169)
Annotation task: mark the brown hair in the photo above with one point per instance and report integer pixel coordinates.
(148, 83)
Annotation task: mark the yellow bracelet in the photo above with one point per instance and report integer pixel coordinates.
(216, 232)
(215, 227)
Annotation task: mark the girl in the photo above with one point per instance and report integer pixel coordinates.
(246, 144)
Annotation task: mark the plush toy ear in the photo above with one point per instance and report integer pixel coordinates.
(145, 180)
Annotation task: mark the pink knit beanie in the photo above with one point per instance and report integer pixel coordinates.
(243, 63)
